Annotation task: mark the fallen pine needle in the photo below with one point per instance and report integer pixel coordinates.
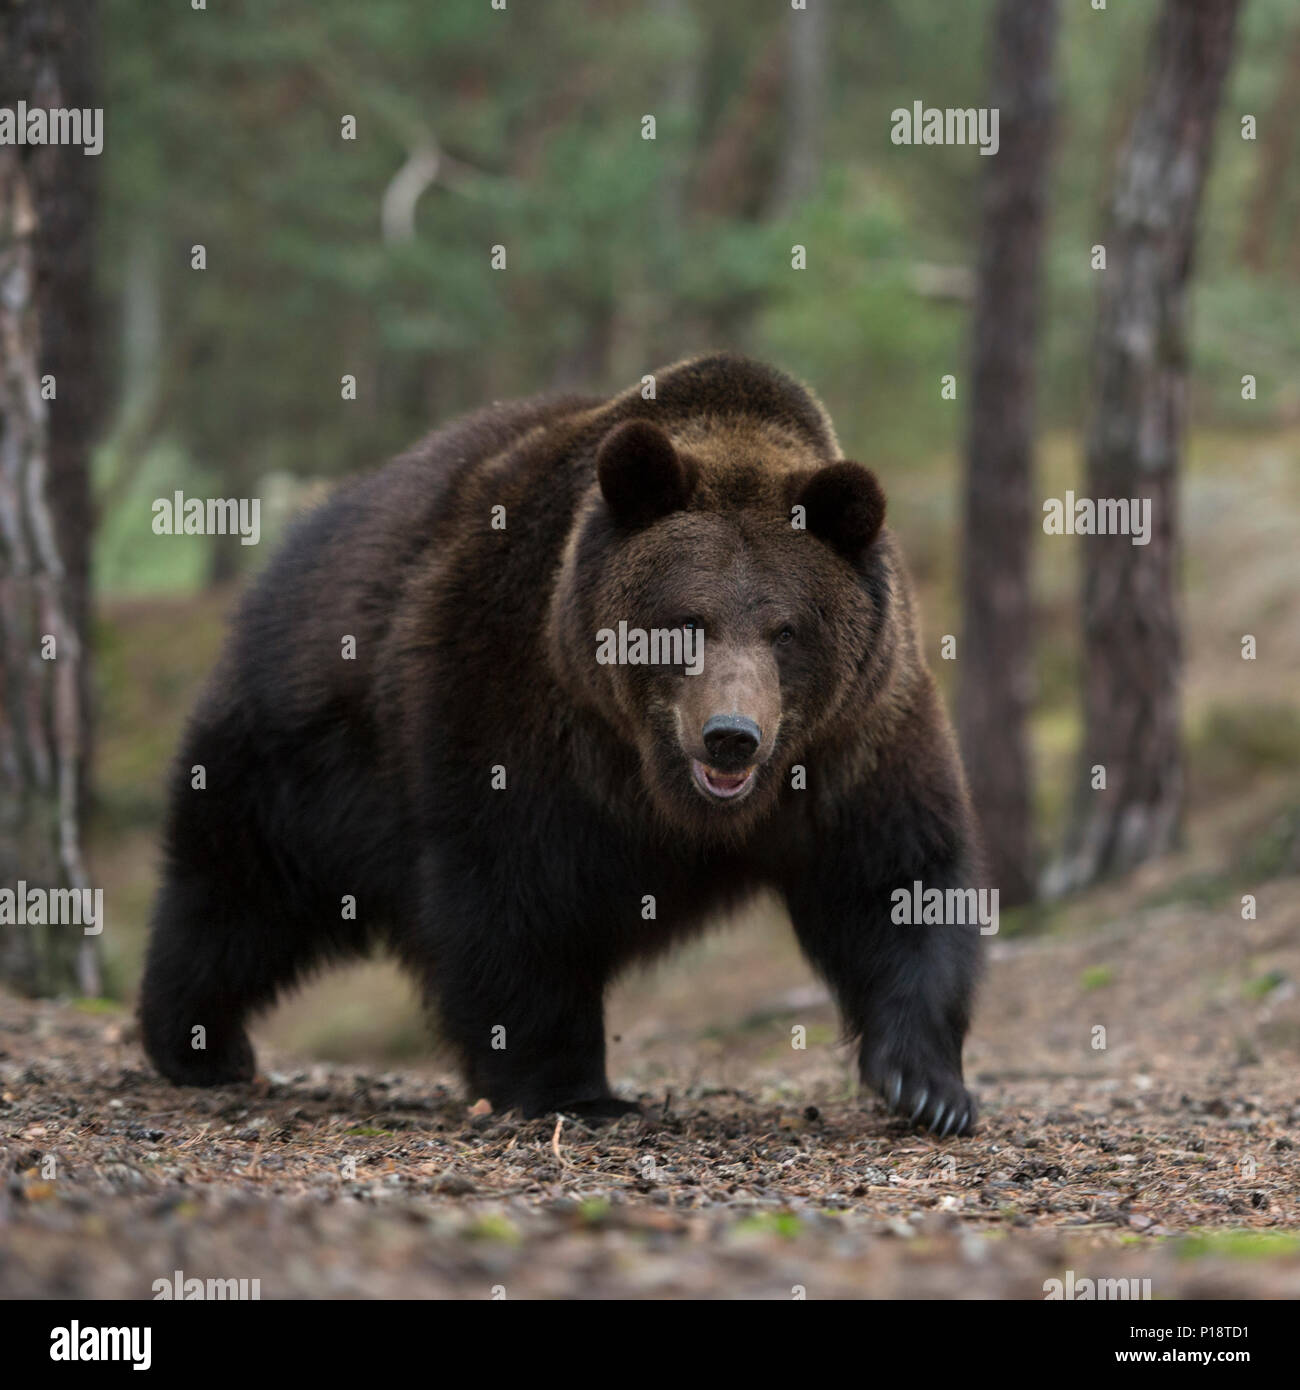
(555, 1142)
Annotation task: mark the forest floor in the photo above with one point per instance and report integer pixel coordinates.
(1169, 1154)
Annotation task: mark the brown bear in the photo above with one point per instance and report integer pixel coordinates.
(538, 699)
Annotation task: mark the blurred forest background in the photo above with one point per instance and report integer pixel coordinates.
(370, 256)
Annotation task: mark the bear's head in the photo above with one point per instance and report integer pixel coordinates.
(723, 603)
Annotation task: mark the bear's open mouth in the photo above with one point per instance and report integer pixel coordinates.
(724, 785)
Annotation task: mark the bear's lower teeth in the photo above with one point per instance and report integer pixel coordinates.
(723, 784)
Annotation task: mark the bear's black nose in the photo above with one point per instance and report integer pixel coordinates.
(731, 741)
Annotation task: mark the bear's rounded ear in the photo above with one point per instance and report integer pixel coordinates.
(642, 477)
(843, 505)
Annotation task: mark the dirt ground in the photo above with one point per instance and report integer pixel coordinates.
(1168, 1153)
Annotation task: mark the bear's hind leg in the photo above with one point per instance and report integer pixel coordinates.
(193, 998)
(257, 862)
(216, 957)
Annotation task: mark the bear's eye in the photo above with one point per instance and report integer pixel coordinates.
(785, 636)
(691, 622)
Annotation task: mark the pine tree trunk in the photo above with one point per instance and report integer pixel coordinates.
(1131, 621)
(995, 658)
(62, 73)
(1276, 140)
(41, 684)
(804, 109)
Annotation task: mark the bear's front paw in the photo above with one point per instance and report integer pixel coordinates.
(936, 1101)
(591, 1108)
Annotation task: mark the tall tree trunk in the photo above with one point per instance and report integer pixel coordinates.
(1131, 624)
(42, 598)
(67, 185)
(732, 182)
(40, 687)
(995, 660)
(804, 108)
(668, 331)
(1276, 140)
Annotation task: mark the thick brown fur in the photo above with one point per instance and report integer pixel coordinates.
(721, 504)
